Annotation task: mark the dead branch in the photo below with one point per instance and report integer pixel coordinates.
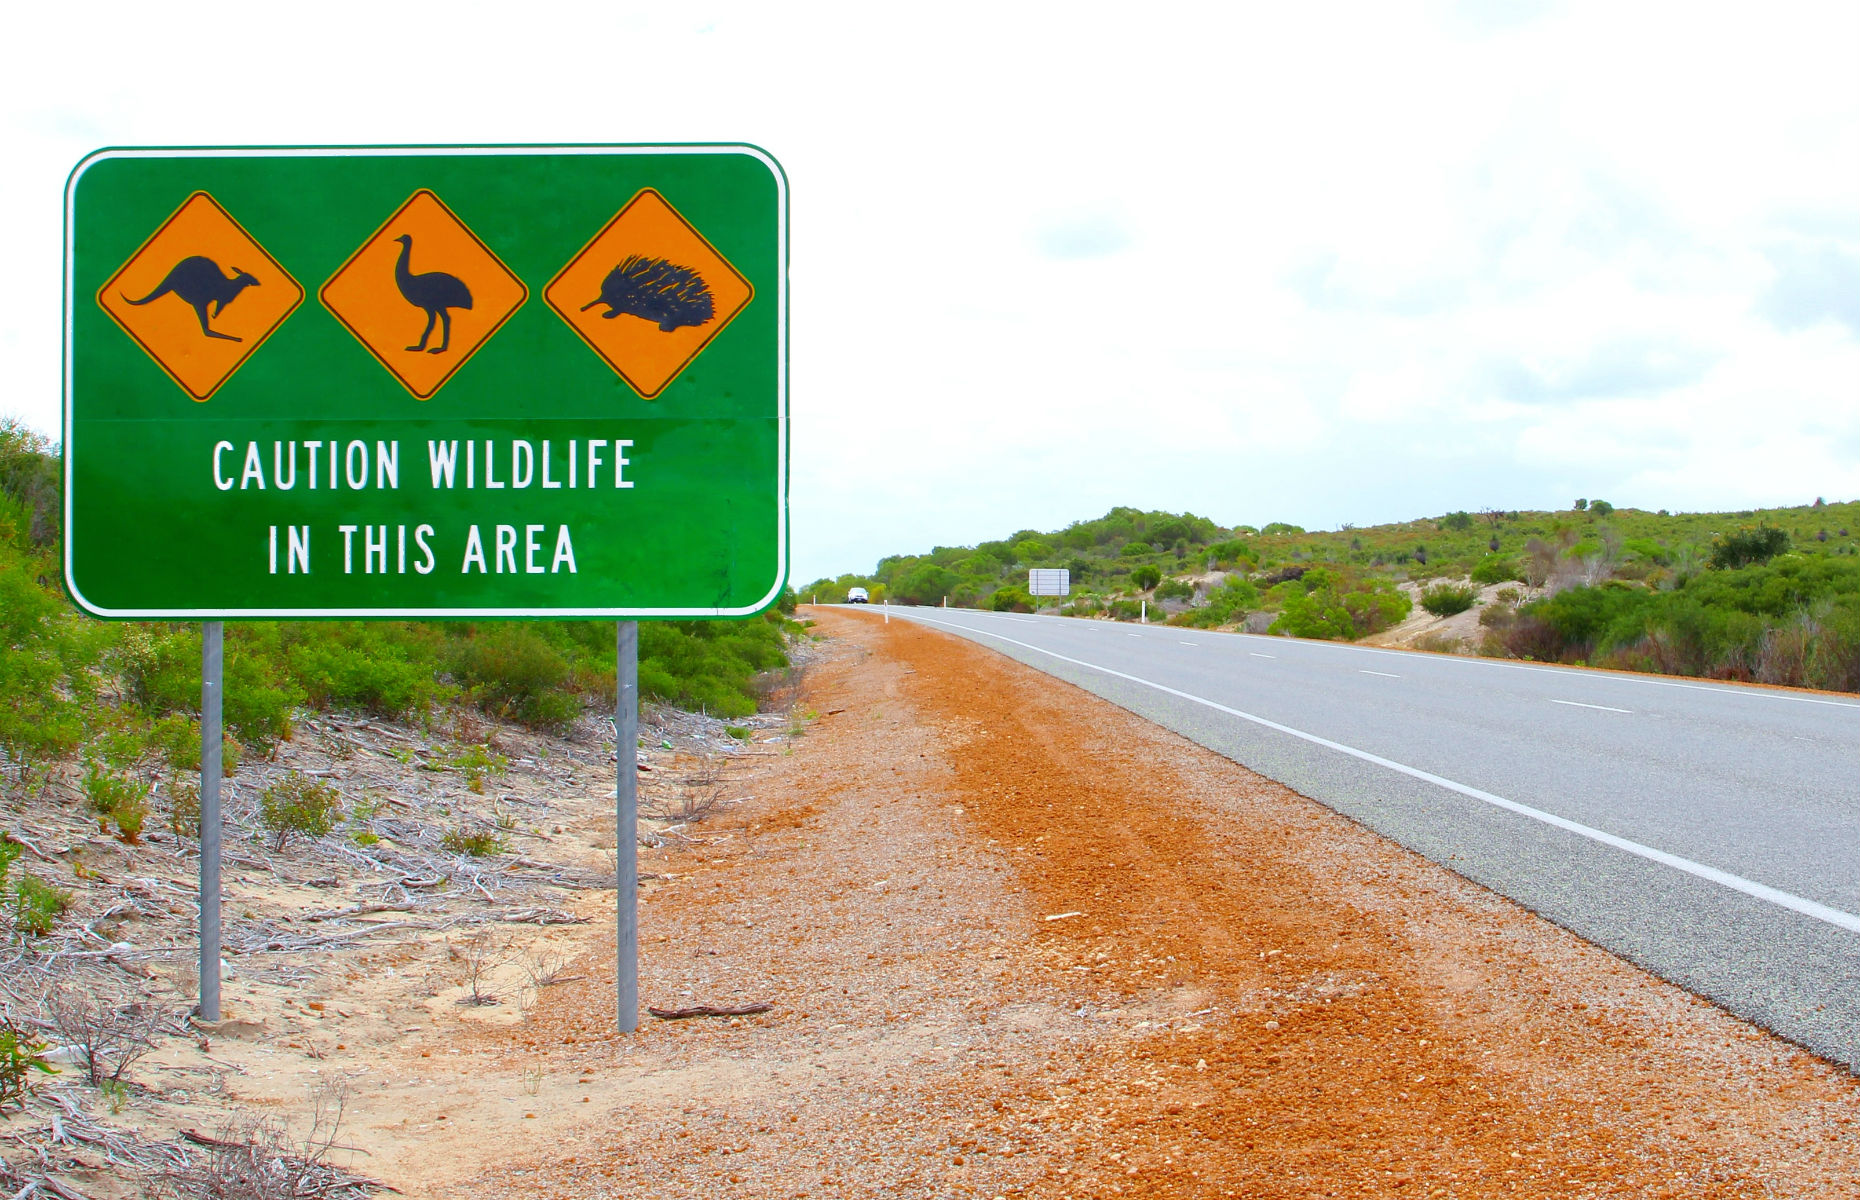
(708, 1010)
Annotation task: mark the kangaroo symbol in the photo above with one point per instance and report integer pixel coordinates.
(435, 291)
(197, 280)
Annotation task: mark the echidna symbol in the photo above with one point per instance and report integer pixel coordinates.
(657, 290)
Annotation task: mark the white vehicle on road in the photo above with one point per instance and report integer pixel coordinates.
(857, 596)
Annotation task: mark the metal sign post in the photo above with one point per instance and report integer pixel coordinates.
(626, 822)
(212, 673)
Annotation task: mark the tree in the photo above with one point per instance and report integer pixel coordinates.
(1145, 577)
(926, 584)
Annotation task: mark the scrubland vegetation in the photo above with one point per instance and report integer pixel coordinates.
(1770, 595)
(123, 696)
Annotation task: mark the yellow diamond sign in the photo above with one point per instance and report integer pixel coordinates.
(200, 296)
(648, 293)
(423, 294)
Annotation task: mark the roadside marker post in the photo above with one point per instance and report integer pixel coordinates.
(394, 383)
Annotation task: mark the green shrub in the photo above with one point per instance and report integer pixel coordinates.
(1011, 599)
(1174, 589)
(508, 669)
(1230, 602)
(1145, 577)
(708, 665)
(1648, 550)
(1321, 603)
(1446, 599)
(108, 793)
(478, 843)
(129, 819)
(1746, 547)
(20, 1055)
(43, 684)
(37, 904)
(1496, 568)
(386, 668)
(259, 691)
(120, 744)
(176, 738)
(475, 763)
(160, 665)
(298, 805)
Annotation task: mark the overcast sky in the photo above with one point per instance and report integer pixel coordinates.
(1308, 263)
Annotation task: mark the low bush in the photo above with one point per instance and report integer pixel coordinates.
(1496, 568)
(298, 806)
(476, 843)
(21, 1054)
(1748, 546)
(1011, 599)
(116, 799)
(37, 904)
(476, 763)
(1225, 604)
(379, 667)
(707, 665)
(507, 669)
(1447, 599)
(1321, 603)
(159, 666)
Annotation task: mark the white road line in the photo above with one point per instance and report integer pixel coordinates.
(1134, 635)
(1737, 883)
(1262, 655)
(1716, 689)
(1188, 643)
(1384, 674)
(1601, 707)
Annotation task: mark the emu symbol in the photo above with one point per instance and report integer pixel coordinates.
(435, 291)
(197, 280)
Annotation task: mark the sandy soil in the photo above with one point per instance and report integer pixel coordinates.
(1021, 943)
(1460, 633)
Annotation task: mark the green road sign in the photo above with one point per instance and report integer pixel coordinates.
(426, 382)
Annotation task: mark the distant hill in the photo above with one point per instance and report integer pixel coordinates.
(1764, 594)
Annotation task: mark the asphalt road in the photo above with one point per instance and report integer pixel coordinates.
(1709, 832)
